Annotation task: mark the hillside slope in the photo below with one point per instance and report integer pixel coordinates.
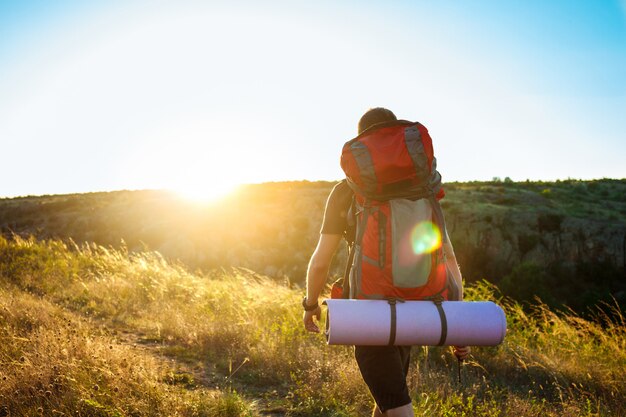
(564, 241)
(94, 331)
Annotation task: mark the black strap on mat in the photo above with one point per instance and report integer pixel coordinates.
(394, 319)
(392, 330)
(444, 321)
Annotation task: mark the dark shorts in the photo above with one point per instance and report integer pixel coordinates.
(384, 369)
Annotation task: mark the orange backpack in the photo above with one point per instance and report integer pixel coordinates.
(400, 228)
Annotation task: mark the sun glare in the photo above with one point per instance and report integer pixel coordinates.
(206, 193)
(425, 238)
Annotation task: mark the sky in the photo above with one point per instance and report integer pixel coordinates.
(197, 96)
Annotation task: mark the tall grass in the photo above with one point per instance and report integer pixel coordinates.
(56, 363)
(105, 331)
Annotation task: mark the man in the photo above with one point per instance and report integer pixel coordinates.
(384, 368)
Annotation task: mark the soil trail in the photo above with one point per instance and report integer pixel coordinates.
(192, 373)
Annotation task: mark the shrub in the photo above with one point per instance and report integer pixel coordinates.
(527, 242)
(527, 282)
(549, 222)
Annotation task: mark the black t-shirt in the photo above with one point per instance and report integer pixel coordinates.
(336, 212)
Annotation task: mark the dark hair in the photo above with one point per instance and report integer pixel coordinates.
(375, 116)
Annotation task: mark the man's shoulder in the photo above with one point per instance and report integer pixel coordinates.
(342, 189)
(337, 207)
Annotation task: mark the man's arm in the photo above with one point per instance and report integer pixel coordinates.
(453, 266)
(317, 274)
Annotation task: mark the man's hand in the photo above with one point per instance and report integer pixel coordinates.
(316, 276)
(309, 324)
(462, 352)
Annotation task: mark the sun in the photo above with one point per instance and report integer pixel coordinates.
(199, 161)
(205, 193)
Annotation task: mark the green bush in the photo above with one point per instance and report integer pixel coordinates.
(527, 282)
(549, 222)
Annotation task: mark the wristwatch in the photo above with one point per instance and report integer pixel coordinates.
(308, 307)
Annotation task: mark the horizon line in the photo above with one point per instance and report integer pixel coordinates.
(494, 180)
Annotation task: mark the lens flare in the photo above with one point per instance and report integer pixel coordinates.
(425, 238)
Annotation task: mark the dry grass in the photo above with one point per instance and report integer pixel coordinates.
(55, 363)
(513, 234)
(94, 331)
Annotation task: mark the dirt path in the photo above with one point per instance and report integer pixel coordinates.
(193, 373)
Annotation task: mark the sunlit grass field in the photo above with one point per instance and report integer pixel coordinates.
(561, 240)
(94, 331)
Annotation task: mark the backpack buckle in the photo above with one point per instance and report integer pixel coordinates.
(394, 300)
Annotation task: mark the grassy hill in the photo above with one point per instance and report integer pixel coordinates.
(94, 331)
(563, 241)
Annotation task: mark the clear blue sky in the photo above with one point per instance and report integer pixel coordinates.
(191, 95)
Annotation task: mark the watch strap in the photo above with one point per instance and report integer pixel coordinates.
(308, 307)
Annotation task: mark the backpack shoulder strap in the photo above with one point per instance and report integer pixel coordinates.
(350, 236)
(350, 232)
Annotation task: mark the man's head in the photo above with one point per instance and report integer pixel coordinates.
(375, 116)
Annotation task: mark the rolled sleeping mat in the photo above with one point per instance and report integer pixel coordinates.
(425, 323)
